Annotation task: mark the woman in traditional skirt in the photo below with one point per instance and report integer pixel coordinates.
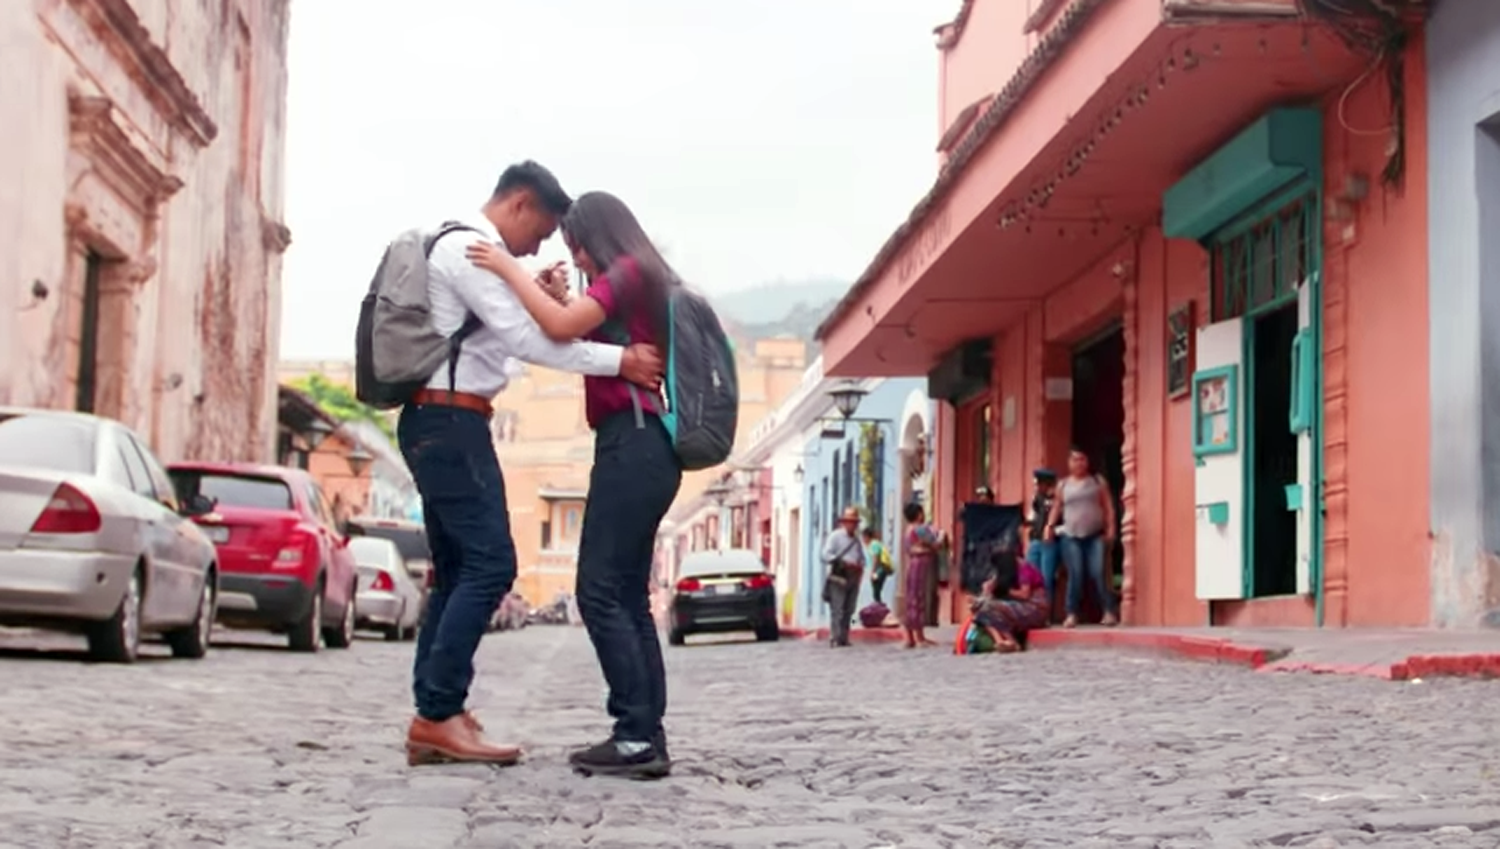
(1012, 602)
(921, 545)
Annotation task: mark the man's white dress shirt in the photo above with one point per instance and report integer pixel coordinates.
(456, 287)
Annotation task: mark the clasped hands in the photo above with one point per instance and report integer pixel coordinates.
(640, 363)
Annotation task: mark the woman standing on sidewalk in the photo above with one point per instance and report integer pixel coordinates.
(1083, 522)
(922, 545)
(635, 476)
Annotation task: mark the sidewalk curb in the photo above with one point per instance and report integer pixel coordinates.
(1265, 658)
(1207, 649)
(1413, 668)
(1257, 658)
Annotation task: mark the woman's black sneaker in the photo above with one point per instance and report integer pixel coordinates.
(607, 759)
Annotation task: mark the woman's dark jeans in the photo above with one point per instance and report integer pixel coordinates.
(634, 481)
(1079, 553)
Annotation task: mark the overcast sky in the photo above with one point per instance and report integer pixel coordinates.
(779, 139)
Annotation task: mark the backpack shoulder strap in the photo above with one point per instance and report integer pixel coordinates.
(445, 229)
(471, 324)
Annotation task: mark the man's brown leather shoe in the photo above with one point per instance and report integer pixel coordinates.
(454, 740)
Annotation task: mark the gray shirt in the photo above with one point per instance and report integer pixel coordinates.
(843, 547)
(1082, 507)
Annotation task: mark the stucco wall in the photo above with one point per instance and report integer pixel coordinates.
(190, 224)
(1463, 85)
(1376, 341)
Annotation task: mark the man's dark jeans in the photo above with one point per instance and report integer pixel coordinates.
(634, 481)
(473, 556)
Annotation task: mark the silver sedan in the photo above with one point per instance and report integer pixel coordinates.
(387, 599)
(92, 538)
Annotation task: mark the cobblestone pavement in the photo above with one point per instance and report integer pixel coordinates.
(789, 744)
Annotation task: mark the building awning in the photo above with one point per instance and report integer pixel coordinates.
(295, 411)
(562, 493)
(1116, 103)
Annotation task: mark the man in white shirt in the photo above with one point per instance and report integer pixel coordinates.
(444, 434)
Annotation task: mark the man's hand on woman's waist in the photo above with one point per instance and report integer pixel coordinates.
(642, 365)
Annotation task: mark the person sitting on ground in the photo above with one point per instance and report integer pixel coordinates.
(1012, 601)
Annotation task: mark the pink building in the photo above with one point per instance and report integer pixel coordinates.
(1189, 236)
(141, 225)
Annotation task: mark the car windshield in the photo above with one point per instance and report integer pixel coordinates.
(411, 542)
(256, 493)
(54, 443)
(369, 551)
(731, 562)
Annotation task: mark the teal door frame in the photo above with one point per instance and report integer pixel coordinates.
(1305, 190)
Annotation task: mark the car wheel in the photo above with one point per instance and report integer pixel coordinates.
(192, 642)
(676, 637)
(118, 639)
(306, 634)
(342, 635)
(768, 634)
(396, 632)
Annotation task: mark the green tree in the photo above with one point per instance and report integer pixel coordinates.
(338, 400)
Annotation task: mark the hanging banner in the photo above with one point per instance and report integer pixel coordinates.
(987, 528)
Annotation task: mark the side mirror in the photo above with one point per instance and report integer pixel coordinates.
(199, 505)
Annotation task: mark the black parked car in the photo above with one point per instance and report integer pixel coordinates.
(723, 591)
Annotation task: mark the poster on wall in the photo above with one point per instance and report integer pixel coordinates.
(1213, 410)
(1180, 351)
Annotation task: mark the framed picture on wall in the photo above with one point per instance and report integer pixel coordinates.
(1180, 352)
(1215, 417)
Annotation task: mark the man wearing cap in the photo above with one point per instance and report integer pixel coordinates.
(844, 556)
(1041, 551)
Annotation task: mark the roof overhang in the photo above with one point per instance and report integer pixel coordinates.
(547, 493)
(1067, 162)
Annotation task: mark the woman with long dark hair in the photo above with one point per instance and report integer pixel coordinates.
(636, 473)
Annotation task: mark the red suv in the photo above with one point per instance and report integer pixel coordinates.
(284, 565)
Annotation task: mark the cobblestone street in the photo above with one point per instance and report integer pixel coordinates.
(777, 745)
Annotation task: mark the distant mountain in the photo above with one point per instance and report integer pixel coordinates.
(771, 302)
(781, 308)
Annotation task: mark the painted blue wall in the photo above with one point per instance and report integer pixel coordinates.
(826, 458)
(1463, 82)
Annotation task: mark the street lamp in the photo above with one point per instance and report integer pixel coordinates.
(359, 459)
(846, 397)
(718, 491)
(317, 431)
(798, 473)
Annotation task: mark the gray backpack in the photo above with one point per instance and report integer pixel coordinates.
(396, 348)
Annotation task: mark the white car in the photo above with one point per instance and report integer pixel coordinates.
(92, 538)
(387, 599)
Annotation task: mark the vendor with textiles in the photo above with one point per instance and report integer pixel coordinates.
(1011, 602)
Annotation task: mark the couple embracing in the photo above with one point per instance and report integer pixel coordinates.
(449, 310)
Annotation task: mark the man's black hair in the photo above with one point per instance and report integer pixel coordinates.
(540, 182)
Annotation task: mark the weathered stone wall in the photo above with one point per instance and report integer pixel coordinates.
(152, 139)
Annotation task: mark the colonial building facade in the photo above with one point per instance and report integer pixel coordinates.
(1191, 238)
(141, 229)
(831, 444)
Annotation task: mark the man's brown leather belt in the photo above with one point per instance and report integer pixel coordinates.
(462, 400)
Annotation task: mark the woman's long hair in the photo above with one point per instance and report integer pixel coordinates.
(605, 228)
